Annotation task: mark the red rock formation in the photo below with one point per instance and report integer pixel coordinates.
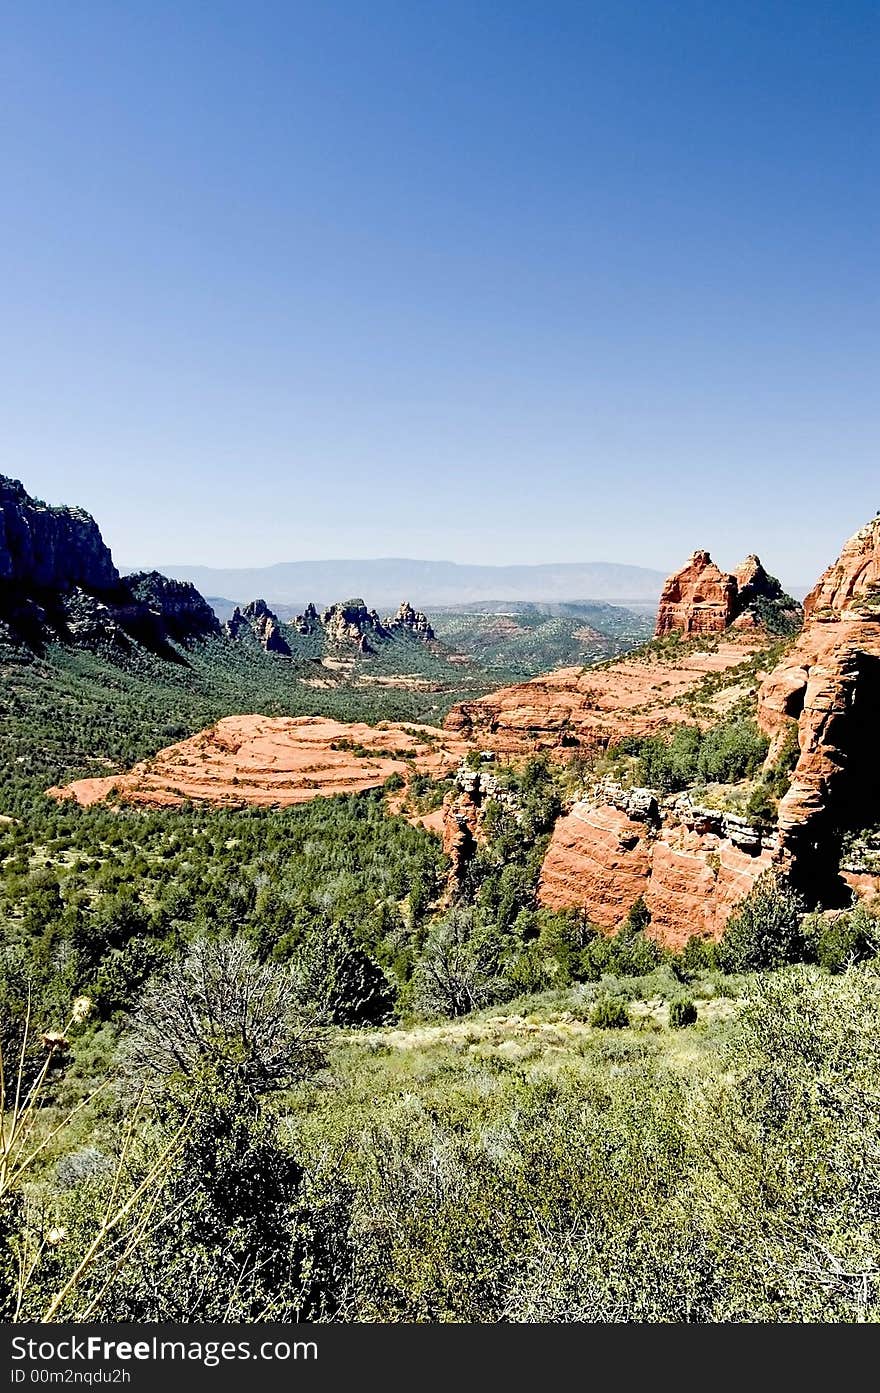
(274, 761)
(600, 860)
(592, 707)
(830, 683)
(461, 831)
(698, 599)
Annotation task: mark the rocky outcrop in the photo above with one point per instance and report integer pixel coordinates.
(691, 865)
(701, 599)
(258, 620)
(410, 621)
(47, 548)
(274, 761)
(308, 622)
(698, 599)
(829, 683)
(58, 582)
(178, 610)
(463, 809)
(351, 623)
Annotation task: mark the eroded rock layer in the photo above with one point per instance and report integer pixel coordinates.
(829, 683)
(264, 760)
(638, 695)
(691, 865)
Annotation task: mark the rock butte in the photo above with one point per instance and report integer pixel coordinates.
(698, 599)
(268, 761)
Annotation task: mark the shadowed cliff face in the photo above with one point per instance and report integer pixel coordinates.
(58, 582)
(830, 684)
(46, 548)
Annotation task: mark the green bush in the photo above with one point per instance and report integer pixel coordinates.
(844, 939)
(682, 1012)
(732, 750)
(762, 806)
(764, 931)
(609, 1014)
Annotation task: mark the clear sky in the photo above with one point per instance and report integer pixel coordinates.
(481, 281)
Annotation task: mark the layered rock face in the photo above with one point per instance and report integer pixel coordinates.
(259, 620)
(829, 683)
(594, 707)
(698, 599)
(58, 581)
(692, 865)
(701, 599)
(274, 761)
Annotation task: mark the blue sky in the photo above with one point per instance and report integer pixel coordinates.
(483, 281)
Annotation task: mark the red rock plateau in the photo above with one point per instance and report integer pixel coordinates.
(638, 695)
(274, 761)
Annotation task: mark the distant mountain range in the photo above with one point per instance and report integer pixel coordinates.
(424, 583)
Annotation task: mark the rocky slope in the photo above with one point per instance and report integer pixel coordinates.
(593, 707)
(274, 761)
(709, 624)
(58, 582)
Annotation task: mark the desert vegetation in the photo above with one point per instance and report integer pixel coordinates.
(267, 1064)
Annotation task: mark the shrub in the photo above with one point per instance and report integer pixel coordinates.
(762, 806)
(845, 939)
(219, 1006)
(609, 1014)
(682, 1012)
(458, 969)
(764, 931)
(628, 953)
(336, 979)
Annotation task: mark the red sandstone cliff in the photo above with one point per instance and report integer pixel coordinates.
(830, 684)
(698, 599)
(692, 865)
